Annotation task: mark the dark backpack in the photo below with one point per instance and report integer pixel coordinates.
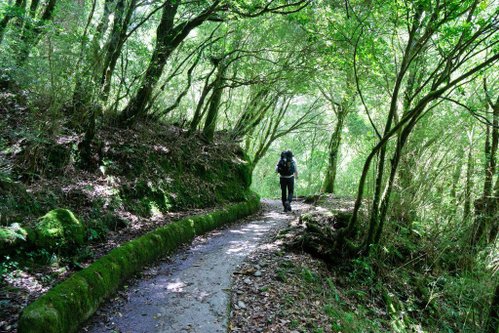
(285, 166)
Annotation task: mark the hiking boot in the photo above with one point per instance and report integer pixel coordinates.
(288, 207)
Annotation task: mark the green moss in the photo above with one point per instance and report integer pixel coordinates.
(66, 306)
(11, 236)
(181, 181)
(58, 229)
(43, 318)
(245, 170)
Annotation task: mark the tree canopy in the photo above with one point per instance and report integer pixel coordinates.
(394, 103)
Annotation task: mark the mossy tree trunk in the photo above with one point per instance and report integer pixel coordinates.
(115, 45)
(495, 225)
(87, 159)
(491, 145)
(334, 151)
(492, 325)
(486, 207)
(456, 176)
(33, 7)
(29, 25)
(214, 106)
(164, 47)
(86, 77)
(470, 169)
(401, 142)
(380, 169)
(198, 113)
(32, 32)
(311, 161)
(341, 104)
(260, 102)
(378, 214)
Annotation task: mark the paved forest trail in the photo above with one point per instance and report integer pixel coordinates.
(190, 292)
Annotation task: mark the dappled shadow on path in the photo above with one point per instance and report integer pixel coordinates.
(189, 293)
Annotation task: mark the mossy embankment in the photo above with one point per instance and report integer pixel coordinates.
(74, 300)
(60, 211)
(132, 175)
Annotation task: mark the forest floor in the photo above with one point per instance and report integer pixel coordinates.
(190, 291)
(298, 293)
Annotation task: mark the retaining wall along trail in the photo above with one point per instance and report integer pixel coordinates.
(66, 306)
(190, 293)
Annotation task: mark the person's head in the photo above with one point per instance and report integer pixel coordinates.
(287, 154)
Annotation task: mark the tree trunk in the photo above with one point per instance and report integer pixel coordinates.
(85, 147)
(494, 230)
(486, 207)
(456, 176)
(492, 325)
(33, 32)
(33, 7)
(402, 140)
(376, 224)
(212, 115)
(392, 113)
(256, 109)
(115, 45)
(86, 78)
(198, 114)
(164, 47)
(402, 206)
(469, 181)
(310, 163)
(491, 150)
(334, 152)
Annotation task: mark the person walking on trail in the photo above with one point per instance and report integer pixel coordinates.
(286, 167)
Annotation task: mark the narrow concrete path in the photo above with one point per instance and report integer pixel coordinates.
(190, 293)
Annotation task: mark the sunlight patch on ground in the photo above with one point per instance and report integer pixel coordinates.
(274, 215)
(243, 247)
(269, 246)
(239, 248)
(239, 232)
(176, 287)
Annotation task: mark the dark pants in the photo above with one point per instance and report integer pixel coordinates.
(287, 188)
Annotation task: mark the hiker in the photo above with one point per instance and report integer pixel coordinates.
(286, 167)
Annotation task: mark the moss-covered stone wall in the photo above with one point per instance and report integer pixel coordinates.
(70, 303)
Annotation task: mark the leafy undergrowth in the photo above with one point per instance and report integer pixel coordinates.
(134, 181)
(280, 291)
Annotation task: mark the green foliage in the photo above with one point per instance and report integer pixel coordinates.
(7, 267)
(10, 236)
(308, 276)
